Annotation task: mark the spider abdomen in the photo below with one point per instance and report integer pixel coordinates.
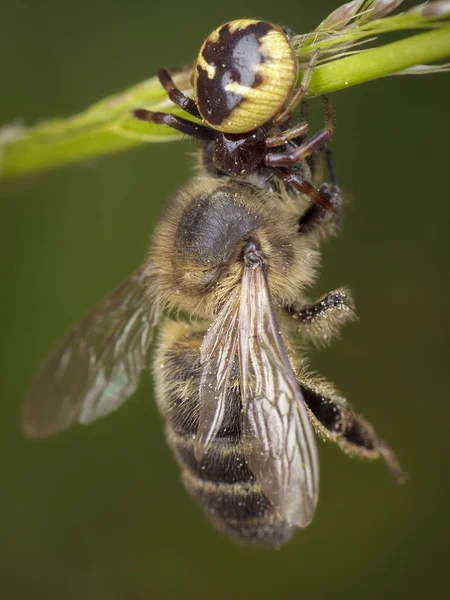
(245, 70)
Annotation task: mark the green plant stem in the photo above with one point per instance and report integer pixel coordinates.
(108, 125)
(379, 62)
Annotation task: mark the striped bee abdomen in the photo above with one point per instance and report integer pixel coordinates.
(222, 482)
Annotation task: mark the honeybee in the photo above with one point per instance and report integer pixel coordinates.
(233, 258)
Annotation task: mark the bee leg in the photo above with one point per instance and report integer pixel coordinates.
(183, 125)
(334, 419)
(176, 95)
(320, 322)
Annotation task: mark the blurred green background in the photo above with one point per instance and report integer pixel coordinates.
(99, 512)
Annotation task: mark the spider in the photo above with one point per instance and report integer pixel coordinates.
(244, 92)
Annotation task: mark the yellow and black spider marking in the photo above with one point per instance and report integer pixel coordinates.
(245, 70)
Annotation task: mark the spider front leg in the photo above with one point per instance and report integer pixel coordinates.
(316, 142)
(299, 93)
(334, 418)
(304, 186)
(280, 138)
(317, 219)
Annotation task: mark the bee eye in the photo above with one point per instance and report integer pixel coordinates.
(245, 72)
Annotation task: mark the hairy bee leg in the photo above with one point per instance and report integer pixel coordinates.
(176, 95)
(182, 125)
(315, 214)
(316, 142)
(322, 321)
(335, 420)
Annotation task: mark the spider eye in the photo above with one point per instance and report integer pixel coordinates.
(245, 72)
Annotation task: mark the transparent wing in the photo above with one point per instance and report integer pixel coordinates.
(284, 453)
(97, 366)
(217, 353)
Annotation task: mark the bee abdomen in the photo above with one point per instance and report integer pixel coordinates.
(224, 462)
(222, 481)
(224, 485)
(241, 510)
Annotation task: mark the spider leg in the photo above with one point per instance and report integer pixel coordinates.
(189, 128)
(282, 137)
(176, 95)
(316, 142)
(304, 186)
(299, 93)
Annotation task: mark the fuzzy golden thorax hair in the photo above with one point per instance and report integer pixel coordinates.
(196, 261)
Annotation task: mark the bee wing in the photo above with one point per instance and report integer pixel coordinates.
(97, 366)
(217, 353)
(283, 454)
